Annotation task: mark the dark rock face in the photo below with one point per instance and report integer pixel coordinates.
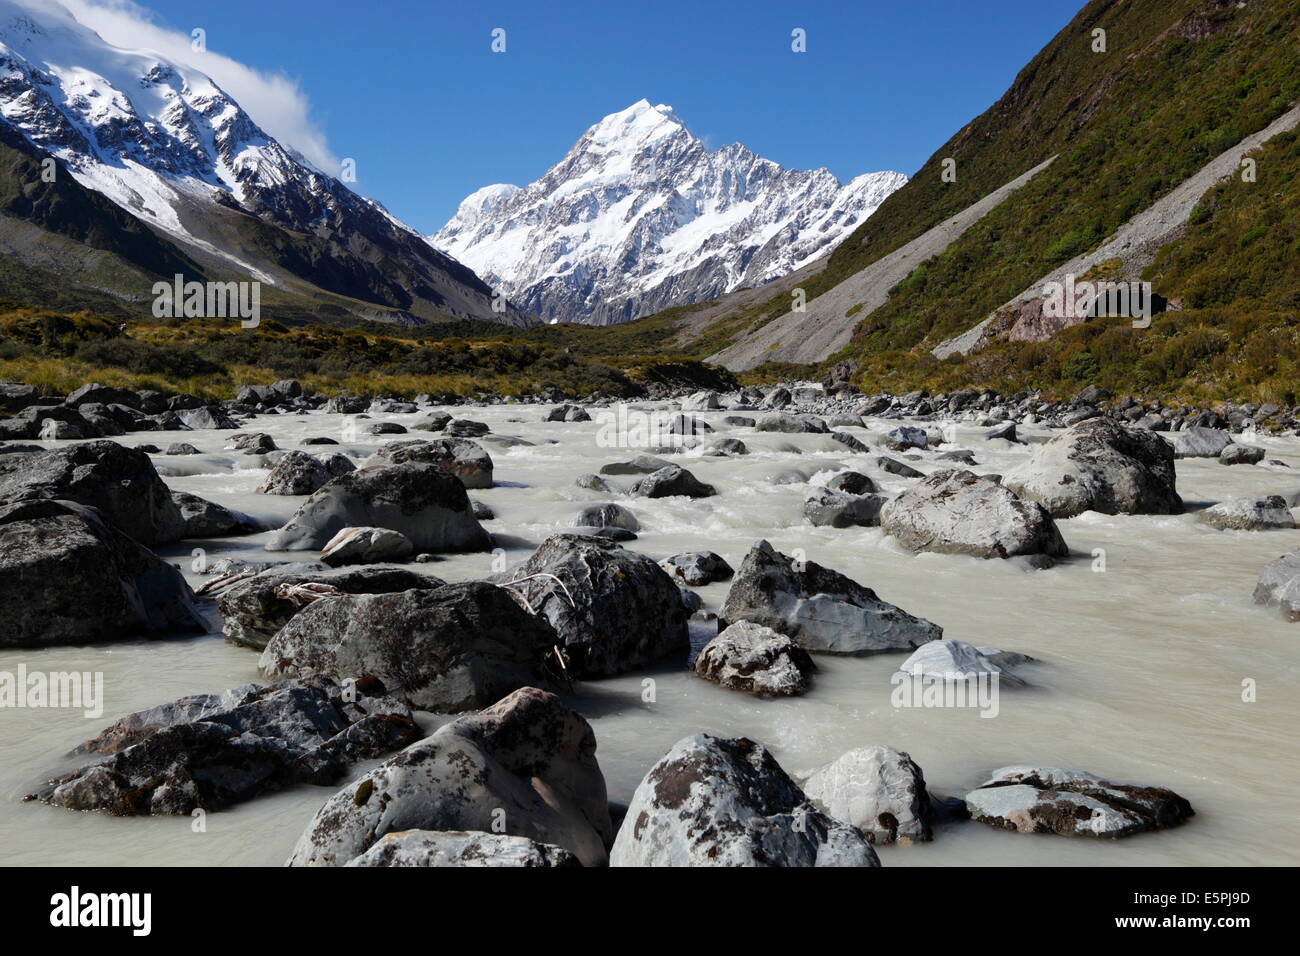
(421, 501)
(69, 577)
(467, 460)
(697, 568)
(207, 519)
(298, 473)
(1073, 803)
(820, 609)
(446, 649)
(895, 467)
(119, 482)
(567, 413)
(253, 611)
(670, 482)
(959, 512)
(1100, 465)
(612, 609)
(757, 660)
(640, 465)
(464, 428)
(216, 750)
(607, 516)
(851, 483)
(462, 848)
(528, 753)
(717, 802)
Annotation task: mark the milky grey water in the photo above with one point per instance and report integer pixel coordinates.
(1139, 677)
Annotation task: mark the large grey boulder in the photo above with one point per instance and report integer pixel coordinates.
(1199, 442)
(670, 482)
(1241, 455)
(956, 661)
(118, 482)
(254, 610)
(1072, 803)
(607, 516)
(465, 459)
(444, 649)
(820, 609)
(1099, 465)
(423, 502)
(879, 790)
(959, 512)
(462, 848)
(525, 767)
(1279, 586)
(613, 609)
(210, 417)
(716, 802)
(701, 402)
(69, 577)
(1249, 514)
(755, 659)
(215, 750)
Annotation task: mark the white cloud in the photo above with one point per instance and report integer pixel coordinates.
(275, 101)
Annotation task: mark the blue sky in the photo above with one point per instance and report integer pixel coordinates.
(412, 91)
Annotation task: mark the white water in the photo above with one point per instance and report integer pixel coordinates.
(1139, 677)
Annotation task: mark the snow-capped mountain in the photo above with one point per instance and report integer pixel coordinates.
(169, 146)
(641, 215)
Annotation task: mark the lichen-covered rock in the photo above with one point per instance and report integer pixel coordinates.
(613, 609)
(467, 460)
(462, 848)
(118, 482)
(717, 802)
(421, 501)
(298, 473)
(444, 649)
(755, 659)
(1072, 803)
(215, 750)
(254, 610)
(69, 577)
(959, 512)
(527, 755)
(1100, 465)
(1249, 514)
(820, 609)
(879, 790)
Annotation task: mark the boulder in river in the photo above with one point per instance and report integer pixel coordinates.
(118, 482)
(528, 754)
(1099, 465)
(1072, 803)
(366, 546)
(1279, 585)
(670, 482)
(717, 802)
(465, 459)
(215, 750)
(826, 508)
(421, 501)
(956, 661)
(298, 473)
(445, 649)
(254, 610)
(1241, 455)
(1200, 442)
(67, 576)
(207, 519)
(613, 609)
(697, 568)
(757, 660)
(959, 512)
(879, 790)
(1249, 514)
(820, 609)
(607, 516)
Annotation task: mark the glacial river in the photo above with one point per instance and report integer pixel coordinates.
(1139, 676)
